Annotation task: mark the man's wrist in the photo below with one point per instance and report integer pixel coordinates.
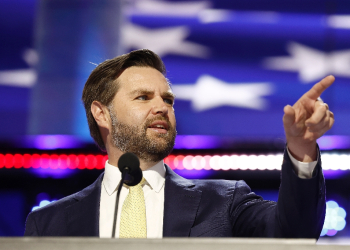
(303, 152)
(304, 170)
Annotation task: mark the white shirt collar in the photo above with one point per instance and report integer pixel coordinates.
(155, 177)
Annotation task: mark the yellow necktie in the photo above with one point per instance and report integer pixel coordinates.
(133, 216)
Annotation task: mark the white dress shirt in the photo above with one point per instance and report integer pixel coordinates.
(154, 200)
(154, 196)
(304, 170)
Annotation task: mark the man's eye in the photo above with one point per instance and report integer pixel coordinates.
(142, 97)
(169, 101)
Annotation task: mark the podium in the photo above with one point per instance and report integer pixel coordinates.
(87, 243)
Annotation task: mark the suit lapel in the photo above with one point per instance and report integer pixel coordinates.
(181, 201)
(83, 215)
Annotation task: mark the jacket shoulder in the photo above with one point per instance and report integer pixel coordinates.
(49, 220)
(68, 200)
(222, 186)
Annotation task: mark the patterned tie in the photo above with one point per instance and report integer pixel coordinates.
(133, 216)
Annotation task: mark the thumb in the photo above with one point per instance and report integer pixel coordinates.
(289, 116)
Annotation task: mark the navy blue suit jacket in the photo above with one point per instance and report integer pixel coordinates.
(207, 208)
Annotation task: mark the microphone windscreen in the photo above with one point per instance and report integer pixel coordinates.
(132, 163)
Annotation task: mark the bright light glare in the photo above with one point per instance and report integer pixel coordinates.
(330, 161)
(335, 219)
(42, 203)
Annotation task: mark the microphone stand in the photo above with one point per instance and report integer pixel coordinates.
(125, 170)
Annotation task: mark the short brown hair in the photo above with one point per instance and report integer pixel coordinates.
(102, 85)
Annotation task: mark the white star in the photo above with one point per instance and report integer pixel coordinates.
(311, 64)
(21, 77)
(339, 21)
(183, 8)
(18, 78)
(210, 92)
(200, 9)
(162, 41)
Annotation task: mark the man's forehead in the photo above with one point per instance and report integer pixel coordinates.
(145, 87)
(145, 78)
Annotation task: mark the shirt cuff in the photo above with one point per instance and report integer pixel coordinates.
(304, 170)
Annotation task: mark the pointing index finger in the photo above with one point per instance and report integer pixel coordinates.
(319, 87)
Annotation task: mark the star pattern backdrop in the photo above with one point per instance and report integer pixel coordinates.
(233, 65)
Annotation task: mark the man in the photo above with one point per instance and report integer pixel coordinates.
(129, 108)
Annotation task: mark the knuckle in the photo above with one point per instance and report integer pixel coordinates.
(323, 108)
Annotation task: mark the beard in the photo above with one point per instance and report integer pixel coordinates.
(134, 139)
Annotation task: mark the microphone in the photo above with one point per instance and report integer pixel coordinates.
(129, 166)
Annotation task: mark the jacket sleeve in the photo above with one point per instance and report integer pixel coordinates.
(31, 228)
(299, 212)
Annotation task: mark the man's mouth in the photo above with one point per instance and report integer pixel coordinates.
(159, 127)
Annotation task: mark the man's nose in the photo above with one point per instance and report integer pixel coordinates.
(159, 106)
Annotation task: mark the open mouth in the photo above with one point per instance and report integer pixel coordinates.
(159, 126)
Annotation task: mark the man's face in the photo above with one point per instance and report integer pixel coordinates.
(142, 114)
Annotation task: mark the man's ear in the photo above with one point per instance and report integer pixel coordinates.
(101, 114)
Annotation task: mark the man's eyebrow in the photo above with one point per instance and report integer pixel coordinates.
(141, 92)
(148, 92)
(168, 94)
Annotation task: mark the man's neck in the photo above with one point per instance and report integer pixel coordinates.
(113, 159)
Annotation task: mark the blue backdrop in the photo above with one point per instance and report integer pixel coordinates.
(233, 65)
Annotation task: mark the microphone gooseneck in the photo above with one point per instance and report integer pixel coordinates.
(129, 166)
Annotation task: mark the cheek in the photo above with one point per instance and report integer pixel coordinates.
(136, 115)
(172, 117)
